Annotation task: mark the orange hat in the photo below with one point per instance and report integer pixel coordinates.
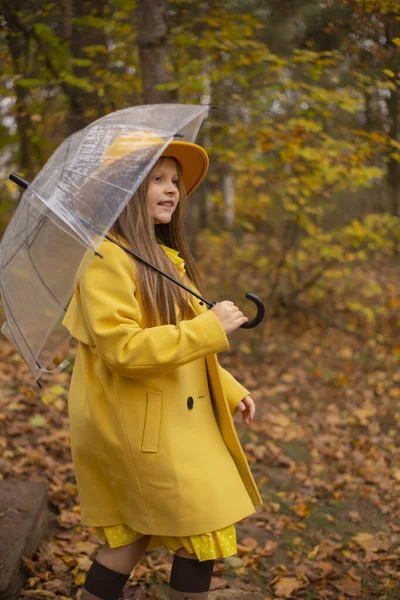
(192, 159)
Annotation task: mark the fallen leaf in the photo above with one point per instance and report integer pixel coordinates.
(37, 593)
(285, 586)
(80, 579)
(396, 474)
(354, 516)
(57, 586)
(38, 421)
(218, 583)
(364, 413)
(325, 549)
(85, 548)
(251, 542)
(371, 543)
(280, 419)
(270, 547)
(350, 585)
(84, 563)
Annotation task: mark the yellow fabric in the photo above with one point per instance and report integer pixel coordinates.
(206, 546)
(192, 158)
(176, 259)
(235, 389)
(193, 161)
(152, 435)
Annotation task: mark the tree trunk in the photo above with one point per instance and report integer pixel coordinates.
(392, 30)
(155, 52)
(18, 41)
(229, 200)
(393, 165)
(85, 106)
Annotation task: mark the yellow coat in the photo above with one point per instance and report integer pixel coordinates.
(153, 440)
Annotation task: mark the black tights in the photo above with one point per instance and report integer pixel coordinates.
(187, 575)
(191, 575)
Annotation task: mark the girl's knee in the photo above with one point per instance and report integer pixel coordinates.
(123, 558)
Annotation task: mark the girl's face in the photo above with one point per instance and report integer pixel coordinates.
(163, 193)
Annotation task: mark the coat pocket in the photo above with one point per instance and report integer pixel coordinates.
(152, 422)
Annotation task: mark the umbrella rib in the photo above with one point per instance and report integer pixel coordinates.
(34, 266)
(40, 224)
(18, 249)
(77, 237)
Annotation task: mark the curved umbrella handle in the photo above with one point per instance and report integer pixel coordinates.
(260, 311)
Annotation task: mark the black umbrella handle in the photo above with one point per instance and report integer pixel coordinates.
(260, 311)
(257, 301)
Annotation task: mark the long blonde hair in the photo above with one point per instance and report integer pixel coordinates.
(136, 229)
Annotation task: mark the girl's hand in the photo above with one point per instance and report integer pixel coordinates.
(229, 315)
(248, 409)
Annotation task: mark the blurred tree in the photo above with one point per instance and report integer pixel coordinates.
(158, 80)
(18, 38)
(368, 35)
(308, 112)
(84, 27)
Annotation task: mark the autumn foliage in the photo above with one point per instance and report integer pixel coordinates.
(301, 206)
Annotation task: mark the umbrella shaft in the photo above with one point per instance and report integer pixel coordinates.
(24, 184)
(143, 260)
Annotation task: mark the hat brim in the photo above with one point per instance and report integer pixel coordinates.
(193, 162)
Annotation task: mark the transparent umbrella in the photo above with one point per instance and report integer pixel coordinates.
(68, 208)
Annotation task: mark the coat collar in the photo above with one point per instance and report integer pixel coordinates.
(176, 259)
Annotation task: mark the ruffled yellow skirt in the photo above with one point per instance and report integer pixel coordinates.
(206, 546)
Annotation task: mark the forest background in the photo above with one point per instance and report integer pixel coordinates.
(301, 206)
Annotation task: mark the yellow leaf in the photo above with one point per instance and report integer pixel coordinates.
(59, 404)
(80, 578)
(57, 389)
(396, 41)
(47, 398)
(302, 510)
(388, 72)
(38, 421)
(396, 474)
(84, 563)
(311, 555)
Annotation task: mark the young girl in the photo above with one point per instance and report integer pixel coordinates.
(156, 453)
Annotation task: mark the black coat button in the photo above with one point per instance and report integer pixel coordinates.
(190, 402)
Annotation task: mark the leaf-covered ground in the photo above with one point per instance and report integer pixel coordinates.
(323, 449)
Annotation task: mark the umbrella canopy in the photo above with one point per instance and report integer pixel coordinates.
(69, 207)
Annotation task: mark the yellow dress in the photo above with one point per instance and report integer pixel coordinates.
(206, 546)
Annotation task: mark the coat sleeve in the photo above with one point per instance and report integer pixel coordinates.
(235, 391)
(112, 313)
